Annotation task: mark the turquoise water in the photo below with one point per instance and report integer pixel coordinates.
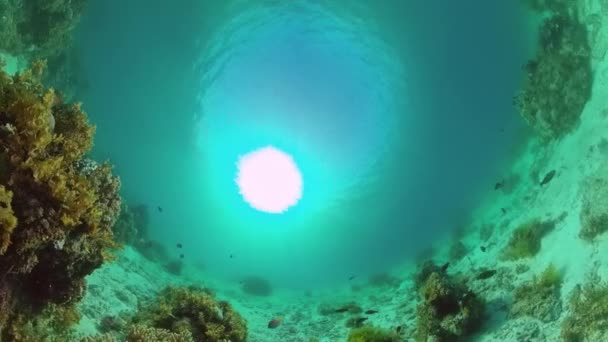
(303, 171)
(398, 113)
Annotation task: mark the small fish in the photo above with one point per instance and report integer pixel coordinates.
(486, 274)
(360, 320)
(371, 312)
(341, 310)
(275, 322)
(181, 256)
(160, 210)
(231, 256)
(352, 277)
(398, 329)
(483, 248)
(179, 245)
(548, 177)
(499, 185)
(503, 210)
(445, 266)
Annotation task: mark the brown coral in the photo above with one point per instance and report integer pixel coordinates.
(194, 310)
(64, 204)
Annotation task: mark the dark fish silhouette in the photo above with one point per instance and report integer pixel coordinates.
(352, 277)
(181, 256)
(499, 185)
(231, 256)
(179, 245)
(486, 274)
(160, 210)
(341, 310)
(398, 328)
(503, 210)
(275, 322)
(548, 177)
(371, 312)
(483, 248)
(360, 320)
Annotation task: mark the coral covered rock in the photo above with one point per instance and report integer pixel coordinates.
(193, 311)
(64, 212)
(256, 286)
(448, 311)
(558, 80)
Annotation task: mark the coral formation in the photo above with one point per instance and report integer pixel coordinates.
(449, 309)
(539, 298)
(256, 286)
(372, 334)
(140, 333)
(64, 205)
(594, 212)
(525, 241)
(192, 311)
(38, 28)
(588, 317)
(558, 80)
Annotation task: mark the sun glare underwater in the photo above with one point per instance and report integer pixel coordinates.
(297, 78)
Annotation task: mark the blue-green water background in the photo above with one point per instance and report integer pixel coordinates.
(454, 122)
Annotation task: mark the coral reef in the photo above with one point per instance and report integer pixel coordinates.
(38, 28)
(594, 212)
(140, 333)
(539, 298)
(449, 309)
(64, 204)
(191, 311)
(256, 286)
(588, 317)
(558, 80)
(525, 241)
(372, 334)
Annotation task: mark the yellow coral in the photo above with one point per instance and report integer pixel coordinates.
(8, 221)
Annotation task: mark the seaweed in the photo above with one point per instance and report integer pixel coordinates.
(372, 334)
(540, 297)
(525, 242)
(588, 316)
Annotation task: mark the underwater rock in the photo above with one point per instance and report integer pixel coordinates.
(449, 309)
(558, 80)
(256, 286)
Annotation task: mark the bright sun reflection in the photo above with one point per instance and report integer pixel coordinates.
(269, 180)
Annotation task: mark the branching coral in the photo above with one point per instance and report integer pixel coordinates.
(558, 81)
(539, 298)
(64, 204)
(193, 311)
(525, 241)
(448, 311)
